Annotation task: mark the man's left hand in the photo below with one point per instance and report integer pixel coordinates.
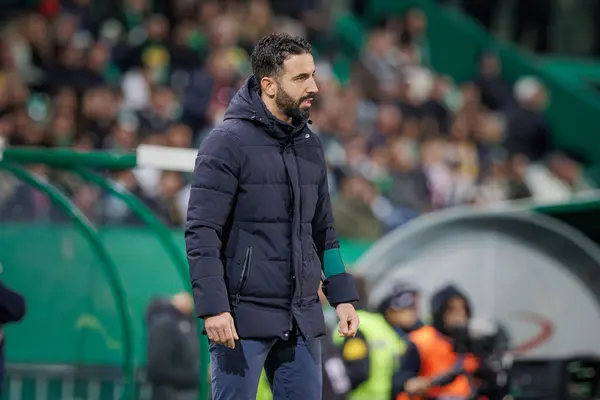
(348, 320)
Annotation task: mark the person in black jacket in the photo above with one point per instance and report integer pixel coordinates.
(172, 349)
(260, 234)
(12, 309)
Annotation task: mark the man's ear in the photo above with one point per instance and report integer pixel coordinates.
(268, 86)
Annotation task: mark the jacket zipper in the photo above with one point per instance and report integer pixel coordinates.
(314, 246)
(293, 209)
(245, 273)
(290, 146)
(289, 181)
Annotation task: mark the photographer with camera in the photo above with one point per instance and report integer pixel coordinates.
(446, 361)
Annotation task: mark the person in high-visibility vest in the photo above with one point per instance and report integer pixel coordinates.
(264, 390)
(431, 353)
(401, 311)
(372, 356)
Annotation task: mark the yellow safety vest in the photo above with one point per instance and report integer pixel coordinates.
(264, 390)
(385, 349)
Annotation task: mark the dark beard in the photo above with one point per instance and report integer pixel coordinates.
(291, 107)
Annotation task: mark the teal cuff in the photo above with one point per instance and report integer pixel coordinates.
(332, 263)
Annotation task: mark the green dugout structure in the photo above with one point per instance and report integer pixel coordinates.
(87, 287)
(85, 308)
(533, 268)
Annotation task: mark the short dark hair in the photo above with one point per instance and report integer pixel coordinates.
(271, 51)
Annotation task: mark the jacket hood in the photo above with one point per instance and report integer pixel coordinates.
(439, 304)
(246, 104)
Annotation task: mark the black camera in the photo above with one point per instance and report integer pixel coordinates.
(489, 343)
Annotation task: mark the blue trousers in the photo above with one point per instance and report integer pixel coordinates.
(293, 368)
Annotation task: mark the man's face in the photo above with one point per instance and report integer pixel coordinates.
(296, 87)
(456, 314)
(404, 318)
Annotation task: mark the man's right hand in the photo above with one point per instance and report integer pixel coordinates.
(220, 329)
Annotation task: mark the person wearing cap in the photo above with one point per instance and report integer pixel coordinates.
(370, 358)
(401, 309)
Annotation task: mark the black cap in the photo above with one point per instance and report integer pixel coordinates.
(404, 295)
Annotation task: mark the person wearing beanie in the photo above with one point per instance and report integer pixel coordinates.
(431, 352)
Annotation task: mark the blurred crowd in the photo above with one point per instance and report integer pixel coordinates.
(400, 140)
(539, 25)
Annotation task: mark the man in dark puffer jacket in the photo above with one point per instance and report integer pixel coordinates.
(260, 234)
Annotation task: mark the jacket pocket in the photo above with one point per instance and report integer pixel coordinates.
(314, 247)
(312, 272)
(316, 254)
(243, 282)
